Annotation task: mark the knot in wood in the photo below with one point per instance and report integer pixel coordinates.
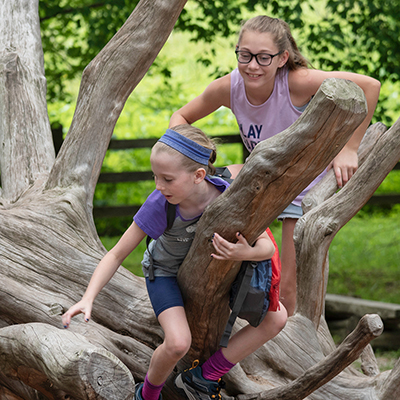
(256, 186)
(330, 228)
(56, 309)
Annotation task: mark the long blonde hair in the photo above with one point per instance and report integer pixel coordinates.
(281, 35)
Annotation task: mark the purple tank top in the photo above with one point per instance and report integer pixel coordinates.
(257, 123)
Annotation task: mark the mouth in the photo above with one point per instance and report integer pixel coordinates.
(253, 76)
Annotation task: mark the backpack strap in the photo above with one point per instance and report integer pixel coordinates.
(171, 213)
(241, 295)
(224, 173)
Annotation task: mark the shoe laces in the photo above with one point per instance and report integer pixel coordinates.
(221, 383)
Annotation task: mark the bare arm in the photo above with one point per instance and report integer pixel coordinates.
(104, 271)
(304, 83)
(263, 248)
(216, 94)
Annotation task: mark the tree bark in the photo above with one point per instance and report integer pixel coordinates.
(277, 170)
(26, 151)
(49, 246)
(52, 362)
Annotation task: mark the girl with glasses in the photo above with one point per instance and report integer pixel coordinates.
(267, 92)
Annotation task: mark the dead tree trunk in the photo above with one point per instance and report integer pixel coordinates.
(49, 246)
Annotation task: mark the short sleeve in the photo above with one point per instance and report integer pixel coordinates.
(152, 215)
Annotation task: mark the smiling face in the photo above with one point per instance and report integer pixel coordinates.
(257, 77)
(172, 179)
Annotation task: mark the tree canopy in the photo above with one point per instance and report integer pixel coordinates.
(355, 35)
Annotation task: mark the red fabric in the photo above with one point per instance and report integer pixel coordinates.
(276, 276)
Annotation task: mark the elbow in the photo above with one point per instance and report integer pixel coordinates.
(374, 88)
(177, 119)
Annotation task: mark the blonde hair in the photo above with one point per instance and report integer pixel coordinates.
(198, 136)
(281, 35)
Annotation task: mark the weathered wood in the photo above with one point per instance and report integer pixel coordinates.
(26, 151)
(369, 364)
(49, 247)
(345, 307)
(326, 369)
(316, 229)
(106, 84)
(391, 389)
(56, 364)
(328, 185)
(250, 204)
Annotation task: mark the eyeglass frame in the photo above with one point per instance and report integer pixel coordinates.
(237, 51)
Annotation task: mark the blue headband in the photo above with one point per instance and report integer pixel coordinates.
(186, 146)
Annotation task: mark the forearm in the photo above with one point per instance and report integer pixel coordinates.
(263, 249)
(372, 95)
(104, 271)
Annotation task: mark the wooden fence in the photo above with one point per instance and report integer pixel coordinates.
(135, 176)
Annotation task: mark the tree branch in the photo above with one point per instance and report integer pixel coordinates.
(250, 204)
(27, 151)
(369, 327)
(106, 84)
(57, 362)
(316, 229)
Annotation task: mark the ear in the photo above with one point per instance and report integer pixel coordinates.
(283, 58)
(199, 175)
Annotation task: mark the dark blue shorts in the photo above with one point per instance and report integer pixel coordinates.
(164, 293)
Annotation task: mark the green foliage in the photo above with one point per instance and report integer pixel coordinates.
(359, 36)
(73, 32)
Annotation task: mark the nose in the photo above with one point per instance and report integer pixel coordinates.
(253, 63)
(159, 186)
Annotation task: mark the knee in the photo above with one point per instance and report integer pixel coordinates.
(281, 318)
(274, 322)
(177, 347)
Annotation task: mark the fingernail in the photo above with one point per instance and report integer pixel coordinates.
(87, 319)
(65, 326)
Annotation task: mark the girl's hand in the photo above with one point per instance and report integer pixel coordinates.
(225, 250)
(344, 165)
(83, 306)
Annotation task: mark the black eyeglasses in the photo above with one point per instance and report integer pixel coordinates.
(263, 59)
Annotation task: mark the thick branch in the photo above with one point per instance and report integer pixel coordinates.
(316, 229)
(325, 188)
(27, 150)
(56, 362)
(106, 84)
(391, 388)
(251, 203)
(369, 327)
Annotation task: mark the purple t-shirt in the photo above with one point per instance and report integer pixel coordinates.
(168, 249)
(258, 123)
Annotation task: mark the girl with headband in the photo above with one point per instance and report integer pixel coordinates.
(182, 165)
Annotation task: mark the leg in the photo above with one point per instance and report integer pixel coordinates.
(288, 258)
(177, 341)
(249, 339)
(204, 382)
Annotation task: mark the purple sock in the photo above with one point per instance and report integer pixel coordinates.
(150, 391)
(216, 366)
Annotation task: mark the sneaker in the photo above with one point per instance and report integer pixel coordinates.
(192, 384)
(138, 392)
